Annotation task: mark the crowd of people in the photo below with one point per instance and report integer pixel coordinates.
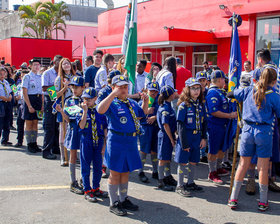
(108, 116)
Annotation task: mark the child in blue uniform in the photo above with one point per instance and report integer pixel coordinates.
(93, 129)
(121, 154)
(218, 117)
(166, 120)
(148, 141)
(72, 140)
(260, 105)
(191, 125)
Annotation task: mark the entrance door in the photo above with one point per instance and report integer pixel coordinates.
(177, 54)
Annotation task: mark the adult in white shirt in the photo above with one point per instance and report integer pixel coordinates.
(167, 75)
(247, 74)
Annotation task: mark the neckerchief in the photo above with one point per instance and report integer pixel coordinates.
(93, 126)
(5, 89)
(136, 121)
(197, 122)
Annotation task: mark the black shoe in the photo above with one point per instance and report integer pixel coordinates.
(155, 175)
(49, 156)
(100, 194)
(127, 204)
(182, 191)
(226, 165)
(13, 128)
(18, 145)
(38, 149)
(143, 178)
(56, 151)
(164, 187)
(76, 188)
(6, 143)
(30, 148)
(118, 209)
(193, 187)
(89, 196)
(204, 159)
(169, 180)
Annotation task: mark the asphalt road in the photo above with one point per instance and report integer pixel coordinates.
(35, 190)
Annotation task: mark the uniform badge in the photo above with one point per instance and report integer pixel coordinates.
(165, 113)
(123, 120)
(86, 126)
(190, 120)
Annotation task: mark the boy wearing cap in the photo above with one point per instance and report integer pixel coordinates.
(218, 117)
(148, 141)
(93, 129)
(33, 103)
(121, 154)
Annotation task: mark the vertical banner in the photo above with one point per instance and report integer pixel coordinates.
(84, 54)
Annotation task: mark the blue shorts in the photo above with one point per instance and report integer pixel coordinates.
(149, 141)
(72, 136)
(165, 148)
(256, 140)
(193, 155)
(216, 138)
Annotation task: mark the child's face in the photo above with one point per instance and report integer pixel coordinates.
(77, 90)
(90, 102)
(172, 97)
(153, 93)
(195, 91)
(203, 82)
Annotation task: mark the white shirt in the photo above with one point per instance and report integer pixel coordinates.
(165, 77)
(101, 78)
(140, 81)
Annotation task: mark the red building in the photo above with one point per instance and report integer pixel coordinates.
(17, 50)
(194, 30)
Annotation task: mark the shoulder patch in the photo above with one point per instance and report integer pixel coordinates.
(181, 107)
(268, 92)
(165, 113)
(214, 98)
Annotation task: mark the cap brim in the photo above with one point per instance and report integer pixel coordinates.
(153, 89)
(122, 83)
(87, 96)
(195, 83)
(75, 84)
(201, 78)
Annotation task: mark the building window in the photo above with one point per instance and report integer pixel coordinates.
(268, 36)
(200, 57)
(44, 61)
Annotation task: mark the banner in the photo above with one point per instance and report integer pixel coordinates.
(52, 93)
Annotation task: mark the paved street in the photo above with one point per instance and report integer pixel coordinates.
(34, 190)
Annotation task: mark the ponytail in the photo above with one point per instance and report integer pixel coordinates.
(268, 76)
(161, 99)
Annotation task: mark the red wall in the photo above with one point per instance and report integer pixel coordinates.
(5, 50)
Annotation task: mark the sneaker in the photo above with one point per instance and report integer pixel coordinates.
(104, 173)
(183, 191)
(226, 165)
(76, 188)
(213, 177)
(169, 180)
(143, 178)
(100, 194)
(18, 145)
(222, 172)
(164, 187)
(251, 187)
(64, 163)
(273, 186)
(155, 175)
(127, 204)
(118, 209)
(13, 128)
(232, 204)
(204, 159)
(89, 196)
(30, 148)
(262, 206)
(193, 187)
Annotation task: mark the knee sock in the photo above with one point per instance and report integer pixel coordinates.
(154, 162)
(225, 159)
(35, 134)
(160, 172)
(113, 193)
(263, 193)
(72, 167)
(251, 174)
(219, 163)
(28, 136)
(123, 188)
(181, 171)
(212, 166)
(143, 160)
(61, 147)
(191, 173)
(167, 170)
(235, 190)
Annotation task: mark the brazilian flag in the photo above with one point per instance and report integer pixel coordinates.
(52, 93)
(14, 88)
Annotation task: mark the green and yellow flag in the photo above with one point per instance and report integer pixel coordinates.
(14, 88)
(52, 93)
(73, 109)
(151, 101)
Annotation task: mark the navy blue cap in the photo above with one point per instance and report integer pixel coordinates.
(167, 91)
(218, 74)
(153, 86)
(77, 81)
(191, 82)
(201, 75)
(179, 61)
(113, 73)
(120, 80)
(89, 92)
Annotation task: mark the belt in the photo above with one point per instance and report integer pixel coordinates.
(134, 134)
(255, 123)
(35, 95)
(195, 132)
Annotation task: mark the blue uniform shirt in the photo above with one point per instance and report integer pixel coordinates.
(19, 93)
(155, 105)
(7, 88)
(103, 93)
(265, 115)
(90, 74)
(119, 116)
(216, 101)
(166, 115)
(48, 78)
(32, 82)
(100, 78)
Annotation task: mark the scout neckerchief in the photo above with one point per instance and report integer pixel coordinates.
(5, 89)
(136, 121)
(93, 126)
(197, 122)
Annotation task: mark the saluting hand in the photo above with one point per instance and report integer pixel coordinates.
(144, 97)
(84, 106)
(116, 91)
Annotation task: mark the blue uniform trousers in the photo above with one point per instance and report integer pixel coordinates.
(5, 122)
(20, 124)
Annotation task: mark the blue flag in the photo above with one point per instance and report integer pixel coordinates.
(235, 61)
